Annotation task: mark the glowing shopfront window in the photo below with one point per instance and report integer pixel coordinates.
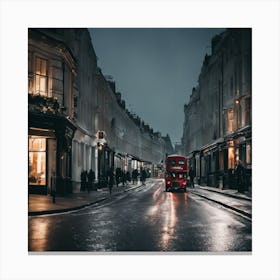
(248, 154)
(37, 161)
(230, 157)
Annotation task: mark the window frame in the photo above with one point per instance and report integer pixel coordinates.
(41, 76)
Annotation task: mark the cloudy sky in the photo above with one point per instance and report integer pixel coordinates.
(154, 69)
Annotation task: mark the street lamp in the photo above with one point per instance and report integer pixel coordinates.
(99, 146)
(237, 103)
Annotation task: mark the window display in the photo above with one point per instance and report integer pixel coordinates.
(37, 161)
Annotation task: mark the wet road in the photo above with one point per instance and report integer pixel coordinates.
(146, 219)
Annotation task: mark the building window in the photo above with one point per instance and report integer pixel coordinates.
(37, 161)
(247, 111)
(41, 77)
(248, 154)
(231, 155)
(230, 120)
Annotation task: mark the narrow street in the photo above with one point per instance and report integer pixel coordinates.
(145, 219)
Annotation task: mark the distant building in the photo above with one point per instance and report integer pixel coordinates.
(218, 117)
(169, 147)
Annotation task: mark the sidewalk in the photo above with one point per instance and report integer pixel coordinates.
(43, 204)
(229, 198)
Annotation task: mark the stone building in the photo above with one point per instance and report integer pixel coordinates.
(129, 143)
(76, 119)
(51, 74)
(217, 126)
(169, 147)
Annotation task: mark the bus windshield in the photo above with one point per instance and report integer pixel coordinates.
(176, 164)
(178, 175)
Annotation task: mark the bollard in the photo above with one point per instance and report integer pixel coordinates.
(53, 187)
(53, 197)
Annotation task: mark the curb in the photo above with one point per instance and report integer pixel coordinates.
(64, 210)
(248, 215)
(227, 194)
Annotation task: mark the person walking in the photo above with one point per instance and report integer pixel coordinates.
(123, 178)
(118, 175)
(240, 175)
(110, 180)
(83, 180)
(143, 176)
(192, 175)
(128, 178)
(90, 176)
(134, 176)
(86, 180)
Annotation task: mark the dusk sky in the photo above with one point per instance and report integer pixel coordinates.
(155, 69)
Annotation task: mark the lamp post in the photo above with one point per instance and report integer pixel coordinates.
(237, 105)
(100, 144)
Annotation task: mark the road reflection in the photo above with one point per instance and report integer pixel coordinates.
(148, 220)
(39, 235)
(164, 214)
(158, 199)
(169, 220)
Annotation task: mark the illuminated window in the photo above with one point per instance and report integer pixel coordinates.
(230, 120)
(231, 157)
(248, 154)
(41, 78)
(37, 161)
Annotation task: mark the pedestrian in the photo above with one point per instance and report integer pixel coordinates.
(128, 178)
(118, 175)
(110, 180)
(134, 175)
(86, 180)
(53, 186)
(123, 178)
(192, 175)
(90, 177)
(143, 176)
(83, 180)
(240, 175)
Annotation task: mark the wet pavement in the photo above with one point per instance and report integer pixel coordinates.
(43, 204)
(146, 218)
(231, 199)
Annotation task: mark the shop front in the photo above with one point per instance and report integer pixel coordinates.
(243, 151)
(49, 153)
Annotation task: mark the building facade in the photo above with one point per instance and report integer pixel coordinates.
(76, 119)
(51, 75)
(218, 117)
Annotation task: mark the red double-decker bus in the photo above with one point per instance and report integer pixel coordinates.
(176, 173)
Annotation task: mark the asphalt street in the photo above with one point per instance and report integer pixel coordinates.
(147, 219)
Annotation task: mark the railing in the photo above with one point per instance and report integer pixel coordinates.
(44, 104)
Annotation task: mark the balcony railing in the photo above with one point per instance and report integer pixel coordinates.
(44, 104)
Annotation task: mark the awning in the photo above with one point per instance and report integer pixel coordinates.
(244, 131)
(48, 133)
(213, 145)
